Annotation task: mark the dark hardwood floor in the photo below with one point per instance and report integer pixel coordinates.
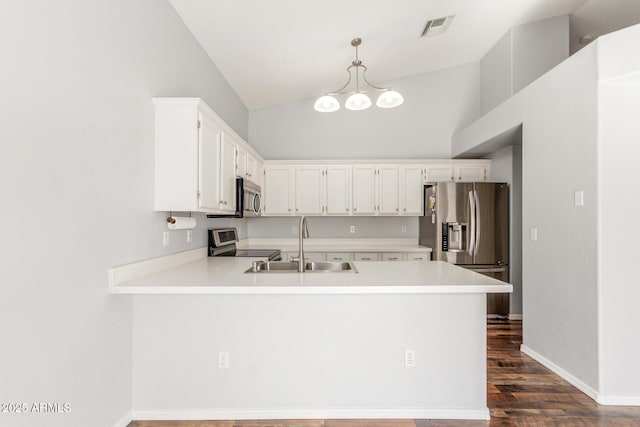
(520, 391)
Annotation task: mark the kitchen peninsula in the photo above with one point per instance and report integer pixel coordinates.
(395, 340)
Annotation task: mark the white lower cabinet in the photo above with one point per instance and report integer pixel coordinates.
(358, 256)
(338, 256)
(366, 256)
(418, 256)
(394, 256)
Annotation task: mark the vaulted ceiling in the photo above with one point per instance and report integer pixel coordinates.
(277, 51)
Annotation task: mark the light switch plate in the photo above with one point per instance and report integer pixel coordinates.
(533, 234)
(578, 198)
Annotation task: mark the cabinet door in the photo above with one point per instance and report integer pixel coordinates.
(209, 137)
(251, 172)
(411, 190)
(227, 175)
(309, 190)
(470, 173)
(439, 173)
(278, 190)
(364, 200)
(338, 181)
(388, 190)
(241, 162)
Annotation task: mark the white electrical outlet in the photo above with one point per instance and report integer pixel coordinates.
(189, 236)
(578, 198)
(403, 229)
(352, 229)
(410, 358)
(223, 359)
(533, 234)
(165, 238)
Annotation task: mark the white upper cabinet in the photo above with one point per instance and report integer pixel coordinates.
(247, 166)
(338, 184)
(364, 190)
(194, 158)
(252, 172)
(241, 161)
(439, 173)
(278, 190)
(456, 172)
(387, 194)
(470, 173)
(227, 173)
(309, 190)
(411, 190)
(209, 137)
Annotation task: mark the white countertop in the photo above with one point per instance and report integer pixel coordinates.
(225, 275)
(409, 245)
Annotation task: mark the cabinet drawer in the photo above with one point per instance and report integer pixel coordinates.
(338, 256)
(418, 257)
(366, 256)
(314, 256)
(394, 256)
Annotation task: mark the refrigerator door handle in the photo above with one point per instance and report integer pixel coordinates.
(478, 222)
(472, 216)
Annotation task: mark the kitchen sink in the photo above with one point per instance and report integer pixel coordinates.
(310, 267)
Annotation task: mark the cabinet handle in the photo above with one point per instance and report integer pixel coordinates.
(397, 209)
(289, 209)
(405, 209)
(337, 258)
(354, 209)
(346, 210)
(452, 179)
(393, 258)
(297, 209)
(366, 259)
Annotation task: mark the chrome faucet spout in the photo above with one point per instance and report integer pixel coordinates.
(303, 231)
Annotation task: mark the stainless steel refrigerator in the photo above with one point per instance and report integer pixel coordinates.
(467, 224)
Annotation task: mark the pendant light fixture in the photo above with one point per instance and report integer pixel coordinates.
(358, 100)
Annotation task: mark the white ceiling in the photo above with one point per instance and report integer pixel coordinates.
(277, 51)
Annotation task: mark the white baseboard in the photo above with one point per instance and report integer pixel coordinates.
(619, 400)
(282, 414)
(125, 420)
(579, 384)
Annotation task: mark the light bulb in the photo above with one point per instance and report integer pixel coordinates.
(357, 102)
(389, 99)
(326, 104)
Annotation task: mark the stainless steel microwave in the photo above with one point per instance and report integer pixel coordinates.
(248, 200)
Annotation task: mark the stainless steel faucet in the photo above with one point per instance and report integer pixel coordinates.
(303, 233)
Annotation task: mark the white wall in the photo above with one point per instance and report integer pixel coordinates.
(300, 356)
(537, 48)
(519, 57)
(506, 166)
(618, 175)
(496, 74)
(335, 227)
(559, 270)
(76, 172)
(436, 104)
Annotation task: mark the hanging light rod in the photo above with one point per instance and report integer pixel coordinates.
(358, 100)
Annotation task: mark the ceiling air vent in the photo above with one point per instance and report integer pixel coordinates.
(433, 27)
